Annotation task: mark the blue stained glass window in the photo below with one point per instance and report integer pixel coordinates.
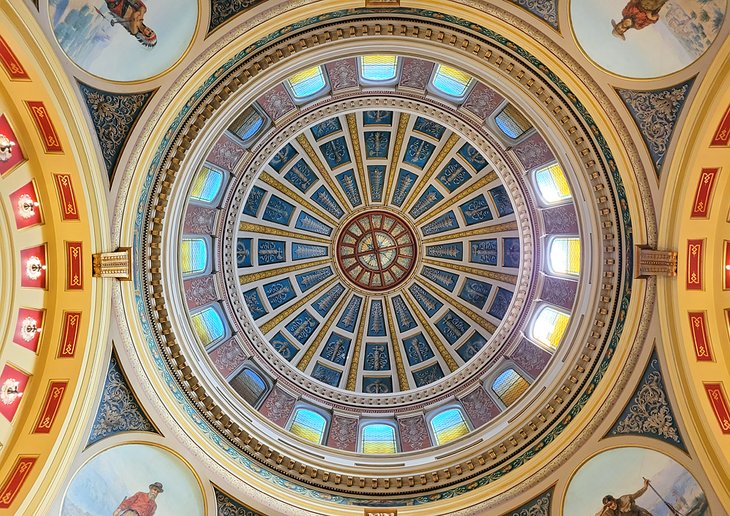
(206, 185)
(193, 255)
(249, 385)
(208, 326)
(378, 438)
(509, 386)
(378, 67)
(307, 82)
(450, 81)
(511, 122)
(247, 124)
(449, 425)
(308, 425)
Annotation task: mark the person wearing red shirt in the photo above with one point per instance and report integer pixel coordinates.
(141, 503)
(637, 14)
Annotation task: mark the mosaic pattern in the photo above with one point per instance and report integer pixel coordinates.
(546, 10)
(226, 505)
(539, 506)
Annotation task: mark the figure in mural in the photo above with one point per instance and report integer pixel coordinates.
(6, 148)
(130, 15)
(624, 505)
(637, 14)
(140, 503)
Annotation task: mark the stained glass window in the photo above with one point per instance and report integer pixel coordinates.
(552, 184)
(509, 386)
(449, 425)
(308, 425)
(565, 255)
(247, 124)
(511, 122)
(208, 326)
(378, 67)
(249, 385)
(193, 255)
(450, 81)
(549, 326)
(378, 438)
(307, 82)
(206, 185)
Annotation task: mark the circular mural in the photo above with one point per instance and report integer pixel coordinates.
(646, 38)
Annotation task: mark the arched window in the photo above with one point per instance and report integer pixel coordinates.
(308, 425)
(511, 122)
(549, 327)
(378, 438)
(249, 385)
(552, 184)
(206, 185)
(509, 386)
(308, 82)
(450, 81)
(247, 124)
(378, 68)
(193, 255)
(449, 425)
(564, 253)
(208, 326)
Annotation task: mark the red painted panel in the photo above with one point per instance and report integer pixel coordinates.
(74, 266)
(12, 387)
(703, 194)
(700, 337)
(716, 395)
(15, 480)
(695, 250)
(16, 155)
(32, 267)
(46, 129)
(722, 135)
(23, 335)
(69, 334)
(66, 196)
(10, 62)
(54, 397)
(24, 202)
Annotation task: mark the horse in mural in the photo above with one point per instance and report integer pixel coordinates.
(130, 15)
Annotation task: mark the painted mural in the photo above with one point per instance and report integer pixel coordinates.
(134, 480)
(646, 38)
(124, 40)
(634, 481)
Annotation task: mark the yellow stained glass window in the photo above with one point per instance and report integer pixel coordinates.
(307, 82)
(450, 81)
(193, 255)
(552, 184)
(206, 185)
(208, 326)
(378, 67)
(509, 386)
(549, 327)
(308, 425)
(449, 425)
(378, 438)
(511, 122)
(565, 255)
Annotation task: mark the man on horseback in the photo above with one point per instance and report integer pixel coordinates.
(130, 14)
(141, 503)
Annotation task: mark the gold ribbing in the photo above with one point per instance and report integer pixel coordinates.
(270, 230)
(453, 366)
(450, 201)
(243, 279)
(423, 181)
(307, 357)
(402, 378)
(497, 276)
(272, 323)
(355, 139)
(488, 230)
(352, 375)
(277, 185)
(323, 171)
(393, 170)
(487, 325)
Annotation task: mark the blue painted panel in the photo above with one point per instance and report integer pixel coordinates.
(453, 251)
(452, 326)
(308, 222)
(283, 346)
(335, 152)
(417, 349)
(376, 175)
(255, 306)
(377, 144)
(440, 277)
(302, 326)
(377, 117)
(253, 202)
(336, 349)
(403, 315)
(271, 251)
(475, 292)
(243, 252)
(483, 251)
(306, 251)
(403, 185)
(501, 201)
(301, 175)
(445, 222)
(501, 303)
(453, 175)
(349, 186)
(324, 198)
(279, 292)
(429, 127)
(511, 254)
(430, 304)
(283, 157)
(278, 211)
(326, 128)
(307, 280)
(350, 314)
(377, 357)
(376, 321)
(428, 375)
(428, 199)
(377, 385)
(476, 210)
(470, 348)
(418, 152)
(326, 301)
(473, 157)
(326, 375)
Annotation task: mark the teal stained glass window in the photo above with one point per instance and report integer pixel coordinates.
(308, 425)
(511, 122)
(247, 124)
(208, 326)
(206, 185)
(378, 67)
(449, 425)
(450, 81)
(307, 82)
(378, 438)
(509, 386)
(249, 385)
(193, 255)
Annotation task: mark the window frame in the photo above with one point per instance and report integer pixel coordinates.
(266, 123)
(306, 406)
(497, 131)
(488, 384)
(548, 266)
(299, 101)
(541, 200)
(215, 202)
(531, 326)
(209, 263)
(430, 417)
(434, 90)
(227, 332)
(268, 384)
(365, 83)
(370, 422)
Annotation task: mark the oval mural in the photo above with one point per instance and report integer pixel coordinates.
(646, 38)
(124, 40)
(134, 480)
(634, 481)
